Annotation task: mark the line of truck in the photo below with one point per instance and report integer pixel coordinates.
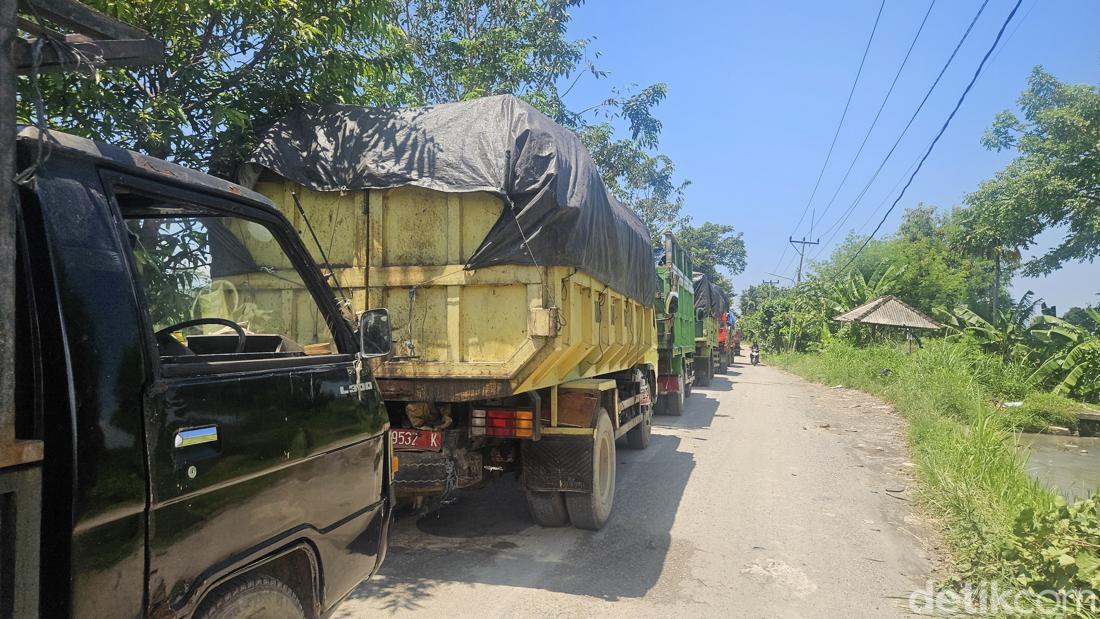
(212, 417)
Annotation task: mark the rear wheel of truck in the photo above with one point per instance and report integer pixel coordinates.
(547, 508)
(685, 386)
(253, 597)
(590, 510)
(638, 436)
(702, 373)
(674, 401)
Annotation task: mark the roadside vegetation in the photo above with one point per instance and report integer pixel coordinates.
(999, 367)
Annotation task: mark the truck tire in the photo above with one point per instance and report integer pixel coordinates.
(702, 373)
(547, 508)
(256, 596)
(638, 436)
(685, 386)
(674, 402)
(590, 510)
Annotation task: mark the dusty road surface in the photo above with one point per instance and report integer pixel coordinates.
(770, 497)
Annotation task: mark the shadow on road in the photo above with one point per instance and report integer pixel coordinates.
(699, 409)
(487, 538)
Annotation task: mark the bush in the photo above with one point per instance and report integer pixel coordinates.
(1056, 548)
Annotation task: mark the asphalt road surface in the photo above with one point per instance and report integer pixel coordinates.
(769, 497)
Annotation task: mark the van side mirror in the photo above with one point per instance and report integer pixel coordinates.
(375, 333)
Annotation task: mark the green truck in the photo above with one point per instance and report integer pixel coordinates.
(711, 306)
(675, 305)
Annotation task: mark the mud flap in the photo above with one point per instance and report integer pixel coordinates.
(556, 464)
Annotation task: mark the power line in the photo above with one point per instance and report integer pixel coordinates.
(855, 203)
(839, 125)
(882, 203)
(878, 114)
(946, 123)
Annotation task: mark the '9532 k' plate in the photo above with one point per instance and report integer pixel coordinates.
(416, 440)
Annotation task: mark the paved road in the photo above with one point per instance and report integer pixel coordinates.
(770, 497)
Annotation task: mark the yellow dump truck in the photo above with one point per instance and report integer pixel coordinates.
(521, 294)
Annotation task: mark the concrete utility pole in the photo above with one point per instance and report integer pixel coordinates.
(801, 253)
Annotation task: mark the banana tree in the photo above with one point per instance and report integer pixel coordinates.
(857, 289)
(1073, 366)
(1004, 333)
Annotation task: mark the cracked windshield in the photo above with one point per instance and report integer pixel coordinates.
(550, 308)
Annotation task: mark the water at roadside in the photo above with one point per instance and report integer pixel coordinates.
(1069, 464)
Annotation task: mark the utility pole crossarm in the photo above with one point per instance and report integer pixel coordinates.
(800, 247)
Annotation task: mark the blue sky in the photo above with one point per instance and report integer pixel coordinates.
(756, 90)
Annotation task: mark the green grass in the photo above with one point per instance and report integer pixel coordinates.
(962, 442)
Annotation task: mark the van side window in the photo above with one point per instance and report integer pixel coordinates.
(219, 287)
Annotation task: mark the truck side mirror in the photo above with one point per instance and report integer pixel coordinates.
(375, 333)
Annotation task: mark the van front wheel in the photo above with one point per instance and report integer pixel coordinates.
(254, 596)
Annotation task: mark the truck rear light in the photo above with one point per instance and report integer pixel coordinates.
(501, 422)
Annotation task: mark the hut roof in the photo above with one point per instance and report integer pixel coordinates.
(890, 311)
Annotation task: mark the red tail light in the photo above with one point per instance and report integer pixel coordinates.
(507, 423)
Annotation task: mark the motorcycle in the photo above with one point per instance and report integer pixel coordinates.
(754, 356)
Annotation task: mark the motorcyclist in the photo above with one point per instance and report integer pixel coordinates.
(754, 353)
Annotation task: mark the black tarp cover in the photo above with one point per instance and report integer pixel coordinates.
(709, 296)
(497, 144)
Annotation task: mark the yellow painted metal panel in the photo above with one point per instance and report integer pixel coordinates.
(467, 324)
(479, 212)
(413, 226)
(493, 321)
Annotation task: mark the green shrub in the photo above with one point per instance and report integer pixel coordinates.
(1056, 548)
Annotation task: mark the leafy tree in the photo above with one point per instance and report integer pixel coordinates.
(713, 245)
(232, 67)
(1083, 317)
(930, 272)
(986, 233)
(754, 297)
(464, 49)
(1055, 180)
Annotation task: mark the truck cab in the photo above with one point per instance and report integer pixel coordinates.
(198, 461)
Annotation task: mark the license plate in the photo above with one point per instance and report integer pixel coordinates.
(407, 439)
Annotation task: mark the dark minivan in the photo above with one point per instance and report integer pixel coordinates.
(206, 453)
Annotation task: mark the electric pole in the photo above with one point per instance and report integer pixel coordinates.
(801, 253)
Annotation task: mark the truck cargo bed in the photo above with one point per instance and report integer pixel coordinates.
(463, 335)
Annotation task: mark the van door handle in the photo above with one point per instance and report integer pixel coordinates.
(189, 437)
